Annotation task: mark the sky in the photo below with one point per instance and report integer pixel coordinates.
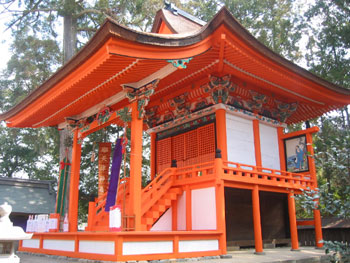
(5, 40)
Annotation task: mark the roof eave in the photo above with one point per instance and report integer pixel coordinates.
(111, 28)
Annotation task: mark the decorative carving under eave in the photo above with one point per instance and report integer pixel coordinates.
(103, 115)
(180, 63)
(219, 88)
(124, 114)
(142, 95)
(180, 106)
(256, 103)
(284, 110)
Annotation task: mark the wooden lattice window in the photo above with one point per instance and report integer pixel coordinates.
(163, 156)
(189, 148)
(206, 143)
(177, 149)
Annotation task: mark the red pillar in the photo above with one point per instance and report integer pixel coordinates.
(317, 214)
(153, 155)
(220, 205)
(293, 222)
(257, 145)
(74, 184)
(318, 228)
(257, 221)
(188, 208)
(221, 139)
(136, 165)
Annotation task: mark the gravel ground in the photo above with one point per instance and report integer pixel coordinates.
(278, 255)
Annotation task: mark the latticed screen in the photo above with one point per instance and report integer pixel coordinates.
(196, 146)
(177, 149)
(163, 154)
(206, 143)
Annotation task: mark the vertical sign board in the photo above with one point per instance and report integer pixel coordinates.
(104, 156)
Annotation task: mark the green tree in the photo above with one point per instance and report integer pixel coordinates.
(27, 151)
(276, 23)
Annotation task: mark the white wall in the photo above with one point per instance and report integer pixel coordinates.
(240, 140)
(165, 222)
(269, 147)
(181, 212)
(204, 209)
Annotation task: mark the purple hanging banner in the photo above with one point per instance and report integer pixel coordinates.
(114, 178)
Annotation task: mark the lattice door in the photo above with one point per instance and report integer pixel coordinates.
(163, 154)
(178, 149)
(206, 143)
(196, 146)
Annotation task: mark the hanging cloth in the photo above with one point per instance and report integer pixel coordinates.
(114, 178)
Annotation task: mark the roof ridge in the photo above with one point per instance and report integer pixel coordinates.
(177, 11)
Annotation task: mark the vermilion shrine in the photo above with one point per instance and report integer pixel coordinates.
(215, 102)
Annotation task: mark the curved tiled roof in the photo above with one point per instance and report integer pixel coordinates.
(118, 55)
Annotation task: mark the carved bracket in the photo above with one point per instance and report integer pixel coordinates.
(180, 63)
(219, 88)
(142, 95)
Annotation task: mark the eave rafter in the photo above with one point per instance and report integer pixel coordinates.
(221, 47)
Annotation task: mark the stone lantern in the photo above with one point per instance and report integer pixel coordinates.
(9, 234)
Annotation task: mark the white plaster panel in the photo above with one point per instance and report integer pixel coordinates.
(164, 223)
(204, 209)
(144, 248)
(181, 212)
(198, 245)
(61, 245)
(269, 147)
(31, 243)
(97, 247)
(240, 140)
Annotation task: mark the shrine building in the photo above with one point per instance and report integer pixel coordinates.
(215, 102)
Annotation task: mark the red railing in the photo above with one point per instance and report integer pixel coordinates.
(156, 189)
(192, 173)
(261, 175)
(97, 208)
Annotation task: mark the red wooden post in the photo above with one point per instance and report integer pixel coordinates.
(257, 221)
(293, 222)
(74, 185)
(136, 165)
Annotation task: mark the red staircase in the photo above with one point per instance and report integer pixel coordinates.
(156, 197)
(98, 218)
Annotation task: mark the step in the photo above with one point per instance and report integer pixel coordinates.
(147, 221)
(165, 202)
(175, 190)
(170, 196)
(153, 214)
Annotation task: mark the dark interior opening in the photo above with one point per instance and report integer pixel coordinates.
(239, 217)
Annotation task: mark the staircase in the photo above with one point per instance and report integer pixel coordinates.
(156, 199)
(98, 218)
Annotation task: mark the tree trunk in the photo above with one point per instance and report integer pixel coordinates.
(69, 36)
(69, 49)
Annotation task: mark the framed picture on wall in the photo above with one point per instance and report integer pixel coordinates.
(296, 154)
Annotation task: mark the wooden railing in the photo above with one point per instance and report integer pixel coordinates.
(97, 208)
(261, 175)
(156, 189)
(192, 173)
(229, 171)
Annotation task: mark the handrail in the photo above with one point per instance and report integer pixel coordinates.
(261, 173)
(100, 202)
(187, 173)
(155, 189)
